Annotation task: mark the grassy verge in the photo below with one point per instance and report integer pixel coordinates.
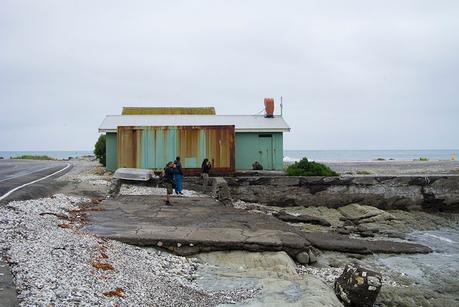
(32, 157)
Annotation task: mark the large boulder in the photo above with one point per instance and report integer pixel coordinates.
(360, 214)
(358, 286)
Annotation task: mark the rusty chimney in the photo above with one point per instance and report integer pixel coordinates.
(269, 107)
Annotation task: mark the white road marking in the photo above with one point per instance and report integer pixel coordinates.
(28, 173)
(32, 182)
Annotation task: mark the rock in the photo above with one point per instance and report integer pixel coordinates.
(366, 234)
(254, 264)
(358, 286)
(304, 218)
(256, 166)
(313, 255)
(114, 188)
(275, 274)
(303, 258)
(364, 214)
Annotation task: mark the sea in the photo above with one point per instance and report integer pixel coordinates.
(295, 155)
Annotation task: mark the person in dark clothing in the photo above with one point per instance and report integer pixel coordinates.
(169, 173)
(205, 169)
(178, 176)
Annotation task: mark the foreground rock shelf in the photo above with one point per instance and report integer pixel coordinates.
(192, 225)
(201, 224)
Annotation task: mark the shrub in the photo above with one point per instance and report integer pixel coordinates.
(99, 150)
(423, 159)
(307, 168)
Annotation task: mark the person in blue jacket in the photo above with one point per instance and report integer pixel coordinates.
(178, 176)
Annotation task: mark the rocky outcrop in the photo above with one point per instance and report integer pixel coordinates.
(384, 192)
(303, 218)
(357, 218)
(358, 286)
(274, 274)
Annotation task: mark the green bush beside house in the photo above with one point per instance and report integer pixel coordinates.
(99, 150)
(310, 168)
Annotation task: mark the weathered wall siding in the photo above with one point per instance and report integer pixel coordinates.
(433, 192)
(153, 147)
(249, 145)
(110, 151)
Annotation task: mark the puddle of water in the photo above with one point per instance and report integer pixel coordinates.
(438, 270)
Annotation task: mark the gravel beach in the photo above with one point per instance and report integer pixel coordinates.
(395, 168)
(55, 264)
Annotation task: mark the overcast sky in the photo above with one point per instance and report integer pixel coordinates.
(353, 74)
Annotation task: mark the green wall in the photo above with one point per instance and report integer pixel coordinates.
(111, 151)
(267, 148)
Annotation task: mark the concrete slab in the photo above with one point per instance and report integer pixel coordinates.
(192, 225)
(137, 174)
(7, 288)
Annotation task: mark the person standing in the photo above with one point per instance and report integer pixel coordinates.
(169, 173)
(178, 176)
(205, 169)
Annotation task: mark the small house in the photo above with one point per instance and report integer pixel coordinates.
(150, 137)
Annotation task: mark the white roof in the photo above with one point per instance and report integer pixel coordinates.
(242, 123)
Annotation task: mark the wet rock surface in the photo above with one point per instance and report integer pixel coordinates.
(358, 286)
(342, 243)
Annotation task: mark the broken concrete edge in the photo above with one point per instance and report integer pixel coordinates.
(363, 247)
(192, 247)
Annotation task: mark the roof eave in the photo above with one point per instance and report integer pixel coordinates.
(102, 130)
(262, 130)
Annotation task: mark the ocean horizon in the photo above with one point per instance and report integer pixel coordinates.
(294, 155)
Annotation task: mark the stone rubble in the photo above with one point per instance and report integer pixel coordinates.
(130, 189)
(90, 179)
(54, 263)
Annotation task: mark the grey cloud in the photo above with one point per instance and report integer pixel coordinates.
(354, 74)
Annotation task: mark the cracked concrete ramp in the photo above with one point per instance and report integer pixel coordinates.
(192, 225)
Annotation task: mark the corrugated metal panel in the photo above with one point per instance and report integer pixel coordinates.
(168, 111)
(152, 147)
(242, 123)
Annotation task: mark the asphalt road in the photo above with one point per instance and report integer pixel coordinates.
(16, 173)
